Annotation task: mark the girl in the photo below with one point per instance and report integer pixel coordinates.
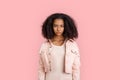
(59, 54)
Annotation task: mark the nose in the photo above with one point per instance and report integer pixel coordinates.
(58, 28)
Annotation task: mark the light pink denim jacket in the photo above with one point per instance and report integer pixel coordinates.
(72, 59)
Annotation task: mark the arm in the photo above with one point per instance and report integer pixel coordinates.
(41, 72)
(76, 63)
(76, 68)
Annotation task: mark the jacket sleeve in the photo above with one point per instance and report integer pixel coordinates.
(41, 72)
(76, 64)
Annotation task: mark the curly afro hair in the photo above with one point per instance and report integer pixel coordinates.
(70, 29)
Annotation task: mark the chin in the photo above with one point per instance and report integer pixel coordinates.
(58, 34)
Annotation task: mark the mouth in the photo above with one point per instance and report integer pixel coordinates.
(58, 32)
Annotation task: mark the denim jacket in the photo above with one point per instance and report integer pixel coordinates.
(72, 59)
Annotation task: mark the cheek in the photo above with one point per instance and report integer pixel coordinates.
(54, 29)
(63, 29)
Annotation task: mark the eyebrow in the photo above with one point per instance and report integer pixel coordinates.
(56, 24)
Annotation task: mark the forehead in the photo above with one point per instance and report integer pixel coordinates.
(58, 21)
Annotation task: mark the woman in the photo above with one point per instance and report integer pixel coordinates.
(59, 54)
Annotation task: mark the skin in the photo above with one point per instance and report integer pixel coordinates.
(58, 28)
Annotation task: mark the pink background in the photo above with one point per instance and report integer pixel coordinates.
(98, 23)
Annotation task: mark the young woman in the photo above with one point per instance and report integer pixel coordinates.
(59, 54)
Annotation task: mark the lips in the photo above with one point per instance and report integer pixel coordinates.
(58, 32)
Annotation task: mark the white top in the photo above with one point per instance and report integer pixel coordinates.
(57, 64)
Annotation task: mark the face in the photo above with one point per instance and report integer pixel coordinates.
(58, 27)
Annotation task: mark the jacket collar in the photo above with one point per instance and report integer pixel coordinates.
(66, 41)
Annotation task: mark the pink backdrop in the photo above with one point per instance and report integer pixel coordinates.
(98, 23)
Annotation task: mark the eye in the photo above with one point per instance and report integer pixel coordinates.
(62, 26)
(54, 25)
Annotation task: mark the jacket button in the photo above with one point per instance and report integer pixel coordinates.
(50, 69)
(48, 53)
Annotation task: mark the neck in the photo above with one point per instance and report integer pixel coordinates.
(58, 38)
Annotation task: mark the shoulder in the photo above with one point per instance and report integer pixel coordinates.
(43, 46)
(72, 42)
(74, 46)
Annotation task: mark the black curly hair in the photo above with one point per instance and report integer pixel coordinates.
(70, 29)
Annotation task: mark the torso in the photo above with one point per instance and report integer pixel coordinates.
(57, 43)
(57, 63)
